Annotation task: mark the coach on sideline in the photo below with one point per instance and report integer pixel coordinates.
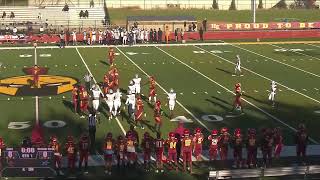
(92, 121)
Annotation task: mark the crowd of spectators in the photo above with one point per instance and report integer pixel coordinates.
(84, 14)
(11, 16)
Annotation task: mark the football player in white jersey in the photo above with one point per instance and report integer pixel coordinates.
(171, 101)
(96, 93)
(132, 87)
(74, 37)
(117, 102)
(237, 69)
(131, 103)
(137, 84)
(110, 101)
(273, 92)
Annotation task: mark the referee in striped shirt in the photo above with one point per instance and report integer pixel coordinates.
(92, 121)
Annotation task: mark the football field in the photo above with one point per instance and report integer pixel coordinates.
(201, 75)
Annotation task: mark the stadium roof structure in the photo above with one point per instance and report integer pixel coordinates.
(161, 18)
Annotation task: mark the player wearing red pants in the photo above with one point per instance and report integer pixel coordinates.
(111, 56)
(84, 145)
(152, 89)
(213, 148)
(237, 148)
(187, 146)
(278, 142)
(157, 115)
(198, 141)
(84, 100)
(70, 148)
(56, 153)
(237, 102)
(171, 143)
(2, 148)
(108, 150)
(252, 148)
(267, 146)
(147, 144)
(301, 140)
(224, 141)
(159, 149)
(35, 72)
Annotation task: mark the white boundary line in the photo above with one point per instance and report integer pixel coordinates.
(315, 100)
(317, 75)
(313, 45)
(85, 64)
(296, 52)
(183, 107)
(263, 111)
(36, 98)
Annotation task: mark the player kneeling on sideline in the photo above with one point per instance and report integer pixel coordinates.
(252, 148)
(273, 93)
(278, 142)
(54, 144)
(110, 101)
(108, 150)
(147, 145)
(121, 150)
(187, 146)
(131, 103)
(171, 142)
(171, 101)
(70, 148)
(96, 93)
(84, 145)
(213, 149)
(117, 102)
(237, 148)
(159, 144)
(131, 148)
(198, 141)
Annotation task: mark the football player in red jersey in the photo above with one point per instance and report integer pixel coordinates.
(171, 142)
(84, 145)
(70, 148)
(147, 144)
(121, 149)
(213, 149)
(2, 148)
(75, 97)
(152, 89)
(278, 142)
(111, 55)
(252, 148)
(131, 148)
(301, 140)
(157, 116)
(187, 146)
(35, 72)
(237, 102)
(159, 145)
(84, 100)
(108, 150)
(197, 141)
(237, 148)
(267, 146)
(56, 153)
(139, 112)
(224, 141)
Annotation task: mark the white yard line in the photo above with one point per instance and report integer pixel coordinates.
(315, 100)
(263, 111)
(296, 52)
(36, 98)
(183, 107)
(85, 64)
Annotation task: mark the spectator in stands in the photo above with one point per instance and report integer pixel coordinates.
(154, 35)
(201, 33)
(81, 14)
(190, 28)
(14, 31)
(84, 37)
(62, 43)
(151, 35)
(12, 15)
(4, 14)
(65, 8)
(159, 36)
(185, 25)
(41, 30)
(176, 34)
(182, 34)
(7, 29)
(86, 14)
(91, 4)
(67, 37)
(46, 23)
(194, 26)
(204, 24)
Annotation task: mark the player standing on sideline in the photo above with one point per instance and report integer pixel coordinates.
(96, 97)
(94, 37)
(71, 153)
(111, 55)
(131, 148)
(84, 98)
(187, 147)
(159, 143)
(171, 101)
(139, 112)
(252, 148)
(278, 142)
(152, 89)
(56, 153)
(198, 141)
(110, 101)
(213, 149)
(117, 102)
(2, 148)
(131, 103)
(75, 98)
(273, 92)
(84, 37)
(100, 36)
(74, 37)
(301, 140)
(137, 83)
(266, 147)
(147, 145)
(237, 102)
(237, 148)
(108, 151)
(237, 69)
(171, 142)
(224, 141)
(84, 145)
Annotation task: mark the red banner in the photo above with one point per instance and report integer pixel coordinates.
(263, 26)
